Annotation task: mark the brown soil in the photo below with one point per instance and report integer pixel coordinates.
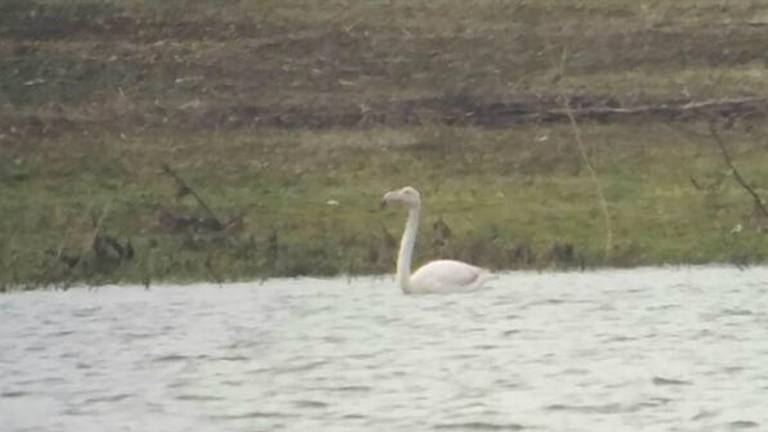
(454, 111)
(76, 66)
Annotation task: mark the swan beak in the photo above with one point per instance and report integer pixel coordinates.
(389, 196)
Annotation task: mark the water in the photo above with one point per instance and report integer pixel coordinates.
(647, 349)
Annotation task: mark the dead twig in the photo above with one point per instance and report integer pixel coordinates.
(736, 174)
(567, 109)
(595, 179)
(183, 189)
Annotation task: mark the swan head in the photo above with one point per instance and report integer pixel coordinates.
(407, 196)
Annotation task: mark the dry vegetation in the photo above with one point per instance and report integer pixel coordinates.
(289, 119)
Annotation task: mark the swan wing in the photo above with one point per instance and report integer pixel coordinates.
(448, 276)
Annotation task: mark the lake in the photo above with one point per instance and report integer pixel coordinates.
(651, 349)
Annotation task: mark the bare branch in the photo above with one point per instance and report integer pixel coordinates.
(184, 189)
(593, 175)
(565, 102)
(736, 174)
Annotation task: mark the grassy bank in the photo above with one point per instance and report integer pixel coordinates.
(290, 120)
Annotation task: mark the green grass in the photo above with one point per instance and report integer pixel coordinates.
(497, 190)
(250, 103)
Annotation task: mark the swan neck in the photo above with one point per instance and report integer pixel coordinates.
(406, 250)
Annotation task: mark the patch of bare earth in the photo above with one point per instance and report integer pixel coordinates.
(89, 65)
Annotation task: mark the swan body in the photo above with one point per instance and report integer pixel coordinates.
(440, 276)
(448, 276)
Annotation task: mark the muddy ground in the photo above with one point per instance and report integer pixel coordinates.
(77, 65)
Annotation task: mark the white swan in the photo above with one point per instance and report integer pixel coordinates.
(439, 276)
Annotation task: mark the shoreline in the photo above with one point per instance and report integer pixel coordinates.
(352, 279)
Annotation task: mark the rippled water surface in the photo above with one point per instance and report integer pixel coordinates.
(649, 349)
